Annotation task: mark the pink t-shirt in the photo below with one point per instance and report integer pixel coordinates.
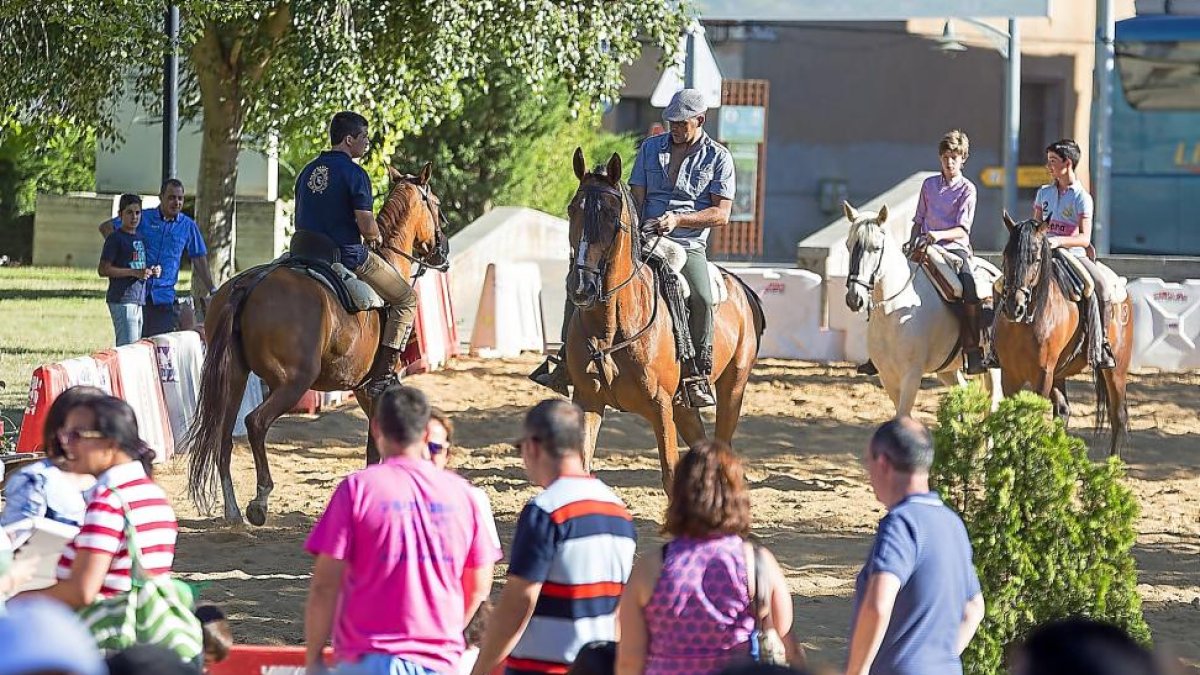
(406, 530)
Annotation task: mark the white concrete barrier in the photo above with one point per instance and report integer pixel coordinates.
(851, 325)
(792, 303)
(250, 400)
(509, 318)
(180, 361)
(1166, 324)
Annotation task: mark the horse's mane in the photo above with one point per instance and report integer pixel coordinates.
(394, 213)
(1022, 252)
(867, 229)
(591, 216)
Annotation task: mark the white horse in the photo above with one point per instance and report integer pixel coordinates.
(911, 331)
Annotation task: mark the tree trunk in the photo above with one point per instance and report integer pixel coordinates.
(224, 118)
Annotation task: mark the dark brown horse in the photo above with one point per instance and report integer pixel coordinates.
(1041, 338)
(292, 332)
(620, 345)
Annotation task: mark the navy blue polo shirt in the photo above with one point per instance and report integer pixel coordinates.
(328, 192)
(925, 545)
(166, 241)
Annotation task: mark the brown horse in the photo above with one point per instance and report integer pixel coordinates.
(290, 330)
(620, 345)
(1042, 336)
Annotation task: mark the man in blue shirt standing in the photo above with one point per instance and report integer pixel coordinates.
(917, 601)
(683, 184)
(167, 233)
(333, 198)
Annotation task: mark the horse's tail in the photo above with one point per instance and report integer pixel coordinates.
(756, 308)
(208, 429)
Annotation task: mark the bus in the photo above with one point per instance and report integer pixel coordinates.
(1156, 136)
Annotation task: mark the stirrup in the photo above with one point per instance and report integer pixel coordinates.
(1106, 361)
(974, 364)
(552, 374)
(695, 391)
(375, 387)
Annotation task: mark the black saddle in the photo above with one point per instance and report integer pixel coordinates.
(315, 254)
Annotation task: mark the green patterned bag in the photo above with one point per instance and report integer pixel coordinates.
(157, 611)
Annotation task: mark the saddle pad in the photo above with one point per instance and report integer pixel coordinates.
(1083, 282)
(358, 296)
(944, 275)
(675, 255)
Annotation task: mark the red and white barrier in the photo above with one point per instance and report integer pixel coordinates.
(509, 319)
(263, 660)
(180, 359)
(133, 376)
(1166, 324)
(437, 334)
(48, 382)
(791, 300)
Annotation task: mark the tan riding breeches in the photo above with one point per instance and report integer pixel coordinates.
(397, 294)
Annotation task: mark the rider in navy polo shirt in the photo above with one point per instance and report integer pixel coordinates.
(333, 197)
(167, 233)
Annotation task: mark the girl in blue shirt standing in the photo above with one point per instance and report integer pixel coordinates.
(123, 262)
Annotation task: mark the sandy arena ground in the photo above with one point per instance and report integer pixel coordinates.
(802, 429)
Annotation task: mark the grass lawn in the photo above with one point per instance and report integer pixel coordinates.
(47, 314)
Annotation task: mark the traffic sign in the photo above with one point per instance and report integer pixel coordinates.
(1030, 176)
(706, 75)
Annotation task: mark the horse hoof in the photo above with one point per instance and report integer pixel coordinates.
(256, 514)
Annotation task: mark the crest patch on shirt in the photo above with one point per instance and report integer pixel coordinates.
(318, 180)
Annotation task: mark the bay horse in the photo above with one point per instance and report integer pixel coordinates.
(911, 331)
(620, 344)
(292, 332)
(1041, 335)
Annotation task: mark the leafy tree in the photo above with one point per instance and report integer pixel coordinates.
(52, 157)
(503, 147)
(285, 66)
(1052, 532)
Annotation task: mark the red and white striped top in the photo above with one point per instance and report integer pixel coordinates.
(103, 529)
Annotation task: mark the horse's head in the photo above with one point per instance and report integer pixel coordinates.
(865, 243)
(600, 213)
(411, 220)
(1024, 254)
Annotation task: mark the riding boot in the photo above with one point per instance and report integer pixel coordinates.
(1106, 360)
(696, 389)
(970, 339)
(553, 373)
(867, 368)
(383, 372)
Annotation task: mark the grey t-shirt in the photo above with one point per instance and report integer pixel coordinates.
(707, 169)
(925, 545)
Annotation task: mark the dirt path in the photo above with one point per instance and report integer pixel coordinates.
(802, 430)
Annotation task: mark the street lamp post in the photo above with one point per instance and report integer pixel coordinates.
(1009, 45)
(170, 124)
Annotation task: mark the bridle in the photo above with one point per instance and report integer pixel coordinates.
(1011, 290)
(915, 251)
(592, 209)
(437, 258)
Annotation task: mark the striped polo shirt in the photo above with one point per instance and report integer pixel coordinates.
(103, 529)
(577, 539)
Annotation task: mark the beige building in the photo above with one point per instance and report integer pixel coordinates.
(856, 107)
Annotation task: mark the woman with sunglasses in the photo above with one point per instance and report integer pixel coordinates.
(439, 437)
(99, 436)
(44, 489)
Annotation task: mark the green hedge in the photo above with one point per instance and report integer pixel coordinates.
(1051, 530)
